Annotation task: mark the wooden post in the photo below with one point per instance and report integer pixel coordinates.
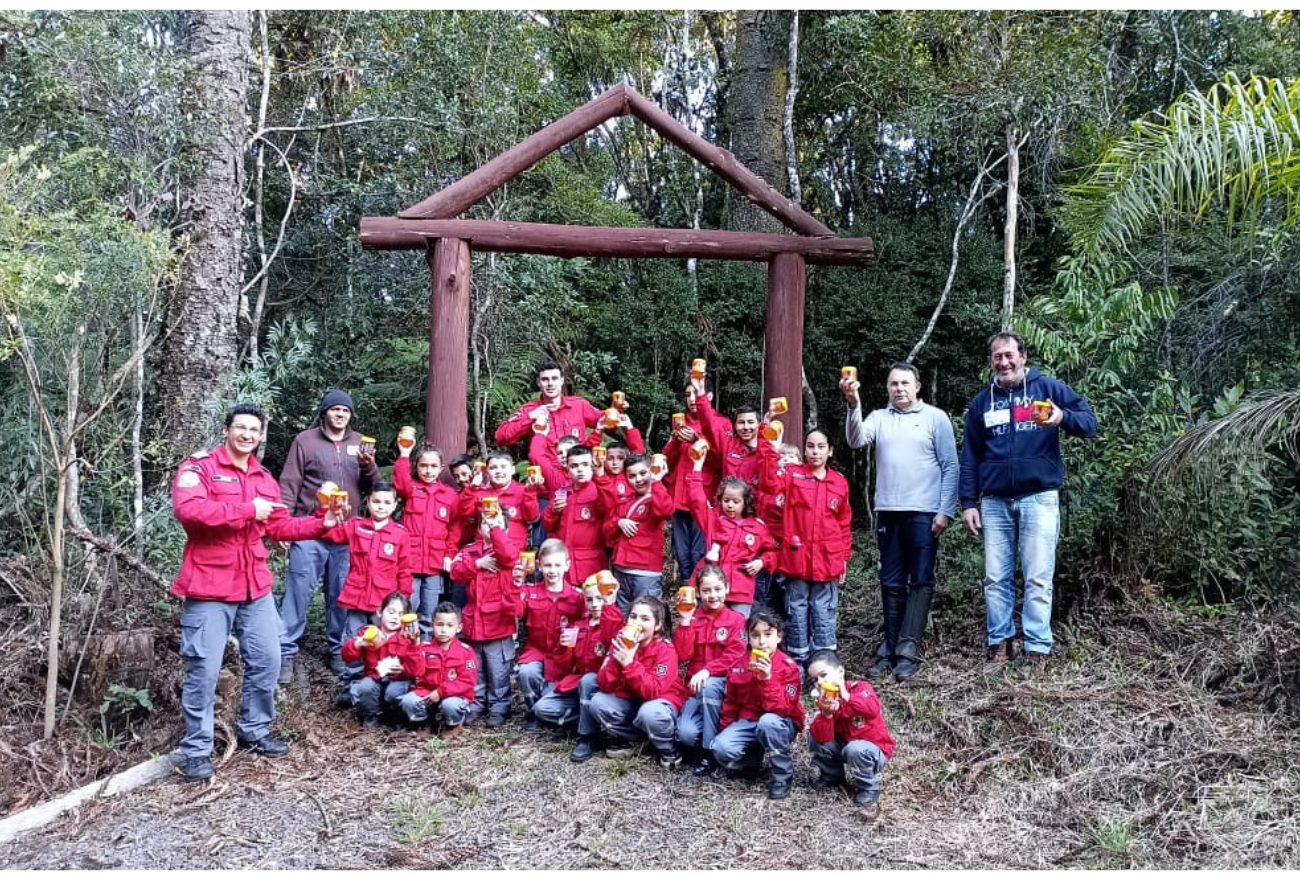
(446, 414)
(787, 280)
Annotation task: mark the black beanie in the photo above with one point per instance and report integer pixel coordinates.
(335, 397)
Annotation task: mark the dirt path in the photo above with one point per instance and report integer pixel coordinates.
(1091, 766)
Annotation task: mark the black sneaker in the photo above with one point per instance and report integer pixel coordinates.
(865, 797)
(620, 748)
(532, 724)
(825, 782)
(267, 746)
(670, 759)
(343, 698)
(584, 750)
(706, 768)
(337, 665)
(371, 722)
(779, 788)
(905, 669)
(495, 720)
(198, 768)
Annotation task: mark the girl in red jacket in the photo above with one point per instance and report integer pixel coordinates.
(640, 692)
(761, 707)
(711, 640)
(381, 559)
(487, 567)
(551, 609)
(737, 542)
(848, 737)
(635, 530)
(390, 657)
(450, 673)
(816, 544)
(430, 515)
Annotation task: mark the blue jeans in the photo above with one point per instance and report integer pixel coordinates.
(908, 552)
(812, 609)
(371, 697)
(1029, 524)
(688, 543)
(537, 534)
(426, 592)
(531, 683)
(308, 559)
(772, 733)
(698, 723)
(633, 586)
(556, 708)
(205, 627)
(454, 710)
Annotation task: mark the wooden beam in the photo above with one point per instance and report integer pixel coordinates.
(787, 280)
(393, 233)
(446, 418)
(487, 178)
(726, 166)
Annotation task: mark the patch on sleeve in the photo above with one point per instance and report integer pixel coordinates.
(188, 479)
(469, 663)
(859, 722)
(791, 690)
(661, 669)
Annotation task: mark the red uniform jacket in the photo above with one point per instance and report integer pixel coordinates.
(717, 643)
(398, 645)
(518, 500)
(652, 674)
(679, 464)
(816, 543)
(579, 526)
(545, 613)
(645, 551)
(451, 670)
(431, 517)
(572, 418)
(493, 599)
(860, 718)
(592, 645)
(381, 562)
(737, 458)
(771, 509)
(749, 697)
(739, 542)
(224, 557)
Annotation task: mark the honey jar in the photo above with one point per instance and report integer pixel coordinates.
(778, 405)
(849, 373)
(698, 449)
(369, 634)
(606, 582)
(629, 636)
(541, 425)
(338, 502)
(367, 446)
(406, 437)
(699, 366)
(490, 506)
(679, 420)
(827, 692)
(325, 492)
(773, 430)
(756, 654)
(618, 400)
(658, 466)
(686, 599)
(610, 420)
(598, 455)
(534, 472)
(1042, 410)
(530, 561)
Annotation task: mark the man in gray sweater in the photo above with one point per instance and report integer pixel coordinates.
(916, 495)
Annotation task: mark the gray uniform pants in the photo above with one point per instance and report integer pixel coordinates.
(531, 683)
(205, 628)
(630, 720)
(454, 709)
(861, 761)
(492, 689)
(771, 732)
(698, 723)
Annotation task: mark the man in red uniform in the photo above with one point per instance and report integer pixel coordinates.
(565, 416)
(227, 502)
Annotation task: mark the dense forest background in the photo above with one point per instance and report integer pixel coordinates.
(938, 134)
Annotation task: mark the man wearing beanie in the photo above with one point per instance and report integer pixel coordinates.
(326, 452)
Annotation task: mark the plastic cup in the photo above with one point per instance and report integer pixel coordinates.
(607, 583)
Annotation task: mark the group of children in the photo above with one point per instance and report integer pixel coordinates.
(582, 620)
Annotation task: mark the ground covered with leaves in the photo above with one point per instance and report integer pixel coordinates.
(1158, 738)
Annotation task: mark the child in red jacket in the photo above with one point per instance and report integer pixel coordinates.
(487, 567)
(737, 542)
(848, 737)
(381, 559)
(761, 711)
(551, 609)
(390, 656)
(449, 676)
(566, 699)
(575, 517)
(636, 532)
(640, 692)
(431, 517)
(816, 543)
(710, 637)
(518, 501)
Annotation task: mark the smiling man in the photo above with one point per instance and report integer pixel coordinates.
(1011, 475)
(916, 494)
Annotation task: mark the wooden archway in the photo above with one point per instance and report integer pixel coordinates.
(432, 226)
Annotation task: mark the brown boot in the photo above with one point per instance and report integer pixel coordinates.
(998, 654)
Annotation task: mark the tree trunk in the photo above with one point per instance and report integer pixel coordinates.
(756, 104)
(1009, 236)
(200, 352)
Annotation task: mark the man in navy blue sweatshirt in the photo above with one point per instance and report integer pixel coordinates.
(1011, 475)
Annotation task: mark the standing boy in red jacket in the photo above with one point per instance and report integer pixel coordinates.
(636, 531)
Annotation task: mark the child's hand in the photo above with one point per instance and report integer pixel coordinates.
(761, 666)
(624, 422)
(699, 679)
(686, 435)
(698, 463)
(828, 707)
(487, 562)
(433, 697)
(389, 665)
(381, 638)
(752, 568)
(622, 655)
(628, 527)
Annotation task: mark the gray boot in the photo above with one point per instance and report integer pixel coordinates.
(909, 637)
(893, 605)
(286, 670)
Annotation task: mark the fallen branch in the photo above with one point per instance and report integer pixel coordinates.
(118, 552)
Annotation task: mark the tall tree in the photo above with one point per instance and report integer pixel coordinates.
(201, 347)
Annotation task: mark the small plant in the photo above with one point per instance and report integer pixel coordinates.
(1114, 837)
(469, 799)
(518, 828)
(418, 821)
(123, 701)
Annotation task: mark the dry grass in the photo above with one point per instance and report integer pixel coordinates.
(1157, 739)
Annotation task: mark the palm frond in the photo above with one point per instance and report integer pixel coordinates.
(1271, 419)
